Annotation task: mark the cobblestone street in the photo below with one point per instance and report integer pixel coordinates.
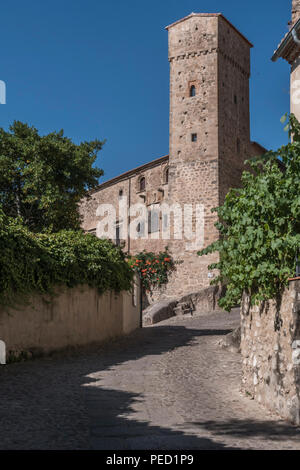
(169, 386)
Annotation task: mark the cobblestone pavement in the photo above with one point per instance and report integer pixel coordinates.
(164, 387)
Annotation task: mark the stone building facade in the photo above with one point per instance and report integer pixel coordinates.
(289, 50)
(209, 142)
(270, 347)
(130, 189)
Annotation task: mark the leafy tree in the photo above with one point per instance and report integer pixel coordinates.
(42, 178)
(259, 226)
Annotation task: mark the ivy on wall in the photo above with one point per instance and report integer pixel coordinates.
(32, 262)
(259, 226)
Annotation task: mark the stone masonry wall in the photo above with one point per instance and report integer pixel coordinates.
(270, 347)
(207, 52)
(233, 107)
(156, 191)
(295, 11)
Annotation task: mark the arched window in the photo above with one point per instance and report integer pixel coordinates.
(142, 183)
(193, 90)
(166, 175)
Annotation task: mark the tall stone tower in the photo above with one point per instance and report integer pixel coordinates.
(209, 128)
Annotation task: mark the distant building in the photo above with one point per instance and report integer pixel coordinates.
(289, 50)
(209, 142)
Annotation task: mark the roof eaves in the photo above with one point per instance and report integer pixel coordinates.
(286, 41)
(125, 175)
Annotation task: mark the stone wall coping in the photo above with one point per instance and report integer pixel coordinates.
(127, 174)
(219, 15)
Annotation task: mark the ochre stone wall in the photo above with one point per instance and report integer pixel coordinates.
(156, 191)
(73, 317)
(270, 347)
(208, 52)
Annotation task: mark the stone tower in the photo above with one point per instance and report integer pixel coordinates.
(209, 128)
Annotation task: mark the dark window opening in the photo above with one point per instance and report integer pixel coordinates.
(142, 184)
(118, 241)
(121, 193)
(194, 137)
(235, 99)
(167, 175)
(140, 229)
(238, 145)
(193, 90)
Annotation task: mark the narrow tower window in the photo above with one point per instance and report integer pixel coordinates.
(193, 90)
(166, 175)
(142, 184)
(194, 137)
(118, 240)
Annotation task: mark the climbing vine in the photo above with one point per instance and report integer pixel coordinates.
(153, 269)
(259, 226)
(32, 262)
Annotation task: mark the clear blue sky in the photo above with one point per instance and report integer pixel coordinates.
(99, 69)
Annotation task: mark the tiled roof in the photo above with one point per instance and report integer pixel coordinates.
(288, 49)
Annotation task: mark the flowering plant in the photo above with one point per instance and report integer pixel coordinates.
(153, 269)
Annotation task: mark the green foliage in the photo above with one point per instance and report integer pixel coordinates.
(32, 262)
(153, 269)
(42, 178)
(260, 226)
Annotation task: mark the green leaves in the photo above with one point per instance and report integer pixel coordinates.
(43, 178)
(153, 269)
(32, 262)
(259, 226)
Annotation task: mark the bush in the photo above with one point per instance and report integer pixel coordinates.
(38, 262)
(153, 269)
(260, 227)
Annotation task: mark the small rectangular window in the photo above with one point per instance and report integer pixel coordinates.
(194, 137)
